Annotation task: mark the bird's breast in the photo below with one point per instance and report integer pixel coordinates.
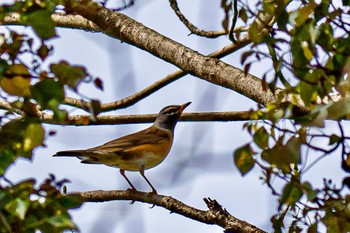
(146, 156)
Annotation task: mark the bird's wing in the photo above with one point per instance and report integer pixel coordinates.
(141, 138)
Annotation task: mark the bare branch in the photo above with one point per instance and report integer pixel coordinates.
(215, 215)
(191, 27)
(81, 120)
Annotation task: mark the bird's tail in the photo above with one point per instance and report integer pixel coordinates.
(83, 155)
(69, 153)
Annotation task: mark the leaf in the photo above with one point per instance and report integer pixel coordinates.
(71, 201)
(245, 56)
(47, 90)
(261, 138)
(312, 228)
(19, 207)
(61, 221)
(256, 33)
(304, 13)
(309, 191)
(243, 158)
(16, 80)
(243, 15)
(291, 194)
(68, 74)
(339, 109)
(306, 92)
(334, 139)
(41, 22)
(98, 83)
(43, 51)
(33, 137)
(7, 156)
(95, 108)
(283, 156)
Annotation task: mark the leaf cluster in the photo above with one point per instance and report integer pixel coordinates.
(25, 208)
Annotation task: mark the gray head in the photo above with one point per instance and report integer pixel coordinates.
(169, 115)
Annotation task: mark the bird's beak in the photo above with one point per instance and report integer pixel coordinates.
(184, 106)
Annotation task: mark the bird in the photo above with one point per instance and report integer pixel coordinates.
(138, 151)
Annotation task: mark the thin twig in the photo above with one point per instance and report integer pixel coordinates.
(234, 21)
(194, 30)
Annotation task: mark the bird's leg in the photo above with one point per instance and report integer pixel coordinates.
(122, 172)
(142, 172)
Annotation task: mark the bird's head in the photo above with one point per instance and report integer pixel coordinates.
(169, 115)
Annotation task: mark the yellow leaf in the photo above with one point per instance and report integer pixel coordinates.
(16, 81)
(33, 137)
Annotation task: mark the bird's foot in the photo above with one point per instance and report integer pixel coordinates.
(131, 191)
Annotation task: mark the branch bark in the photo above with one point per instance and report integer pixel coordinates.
(215, 215)
(81, 120)
(61, 20)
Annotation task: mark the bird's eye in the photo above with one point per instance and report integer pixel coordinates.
(171, 111)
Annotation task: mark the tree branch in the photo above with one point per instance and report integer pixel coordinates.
(212, 70)
(215, 215)
(132, 99)
(81, 120)
(191, 27)
(61, 20)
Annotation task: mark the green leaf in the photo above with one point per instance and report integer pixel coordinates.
(339, 109)
(333, 139)
(43, 51)
(18, 207)
(243, 15)
(61, 221)
(41, 22)
(33, 137)
(243, 158)
(7, 157)
(261, 138)
(47, 90)
(309, 191)
(71, 201)
(283, 156)
(68, 74)
(291, 194)
(256, 33)
(304, 13)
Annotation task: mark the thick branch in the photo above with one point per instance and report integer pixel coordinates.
(212, 70)
(216, 215)
(61, 20)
